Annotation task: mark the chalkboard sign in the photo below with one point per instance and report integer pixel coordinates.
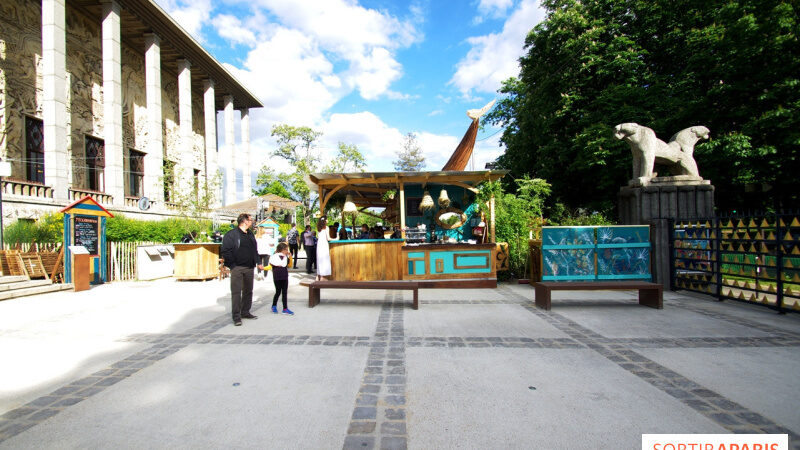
(412, 207)
(86, 233)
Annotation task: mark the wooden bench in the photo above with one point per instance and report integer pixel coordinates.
(650, 294)
(315, 286)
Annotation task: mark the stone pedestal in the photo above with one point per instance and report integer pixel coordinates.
(662, 199)
(679, 197)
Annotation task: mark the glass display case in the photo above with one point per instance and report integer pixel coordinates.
(415, 235)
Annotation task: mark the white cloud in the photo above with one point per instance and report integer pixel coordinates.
(492, 8)
(191, 15)
(493, 57)
(377, 141)
(365, 39)
(437, 112)
(232, 29)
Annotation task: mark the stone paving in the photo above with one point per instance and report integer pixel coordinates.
(159, 364)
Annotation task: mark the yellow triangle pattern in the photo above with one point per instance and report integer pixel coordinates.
(795, 223)
(764, 223)
(781, 223)
(752, 224)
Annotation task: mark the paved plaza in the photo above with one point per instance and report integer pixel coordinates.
(160, 365)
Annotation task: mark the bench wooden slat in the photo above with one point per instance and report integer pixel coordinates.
(650, 294)
(315, 287)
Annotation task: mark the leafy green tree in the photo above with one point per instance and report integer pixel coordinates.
(409, 157)
(268, 182)
(348, 159)
(729, 65)
(296, 145)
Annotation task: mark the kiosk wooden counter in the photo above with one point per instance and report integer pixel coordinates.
(448, 242)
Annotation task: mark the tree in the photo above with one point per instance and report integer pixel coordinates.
(268, 182)
(729, 65)
(296, 145)
(409, 158)
(348, 159)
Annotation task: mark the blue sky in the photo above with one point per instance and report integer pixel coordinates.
(366, 72)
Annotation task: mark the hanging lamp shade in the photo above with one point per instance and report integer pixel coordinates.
(349, 206)
(427, 202)
(444, 200)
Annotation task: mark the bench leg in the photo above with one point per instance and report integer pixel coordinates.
(313, 297)
(542, 297)
(416, 299)
(652, 297)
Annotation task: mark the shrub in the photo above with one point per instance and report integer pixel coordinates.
(48, 228)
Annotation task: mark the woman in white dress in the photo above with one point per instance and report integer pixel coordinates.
(323, 252)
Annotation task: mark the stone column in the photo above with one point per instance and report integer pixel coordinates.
(246, 180)
(154, 159)
(210, 114)
(112, 102)
(230, 143)
(186, 163)
(54, 101)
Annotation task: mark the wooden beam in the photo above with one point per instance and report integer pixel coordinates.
(463, 185)
(426, 178)
(491, 218)
(402, 210)
(328, 197)
(369, 213)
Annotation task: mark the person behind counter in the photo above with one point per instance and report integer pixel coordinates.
(396, 234)
(343, 234)
(364, 232)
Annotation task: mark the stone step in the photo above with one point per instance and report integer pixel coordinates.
(12, 279)
(23, 284)
(6, 295)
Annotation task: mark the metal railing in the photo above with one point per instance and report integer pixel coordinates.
(753, 259)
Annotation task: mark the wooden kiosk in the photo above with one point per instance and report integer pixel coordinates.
(85, 226)
(443, 245)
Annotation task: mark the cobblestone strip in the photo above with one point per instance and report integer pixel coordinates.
(722, 410)
(38, 410)
(379, 415)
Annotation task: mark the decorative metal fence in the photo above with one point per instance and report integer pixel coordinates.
(753, 259)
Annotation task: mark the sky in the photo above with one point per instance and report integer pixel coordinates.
(366, 72)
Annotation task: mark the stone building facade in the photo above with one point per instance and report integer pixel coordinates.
(112, 99)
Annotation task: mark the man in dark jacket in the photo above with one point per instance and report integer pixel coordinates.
(240, 253)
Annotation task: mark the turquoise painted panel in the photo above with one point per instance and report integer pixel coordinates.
(622, 263)
(419, 267)
(623, 235)
(448, 266)
(462, 260)
(567, 236)
(568, 278)
(565, 264)
(623, 252)
(619, 252)
(416, 254)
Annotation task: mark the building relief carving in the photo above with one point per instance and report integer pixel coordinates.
(21, 92)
